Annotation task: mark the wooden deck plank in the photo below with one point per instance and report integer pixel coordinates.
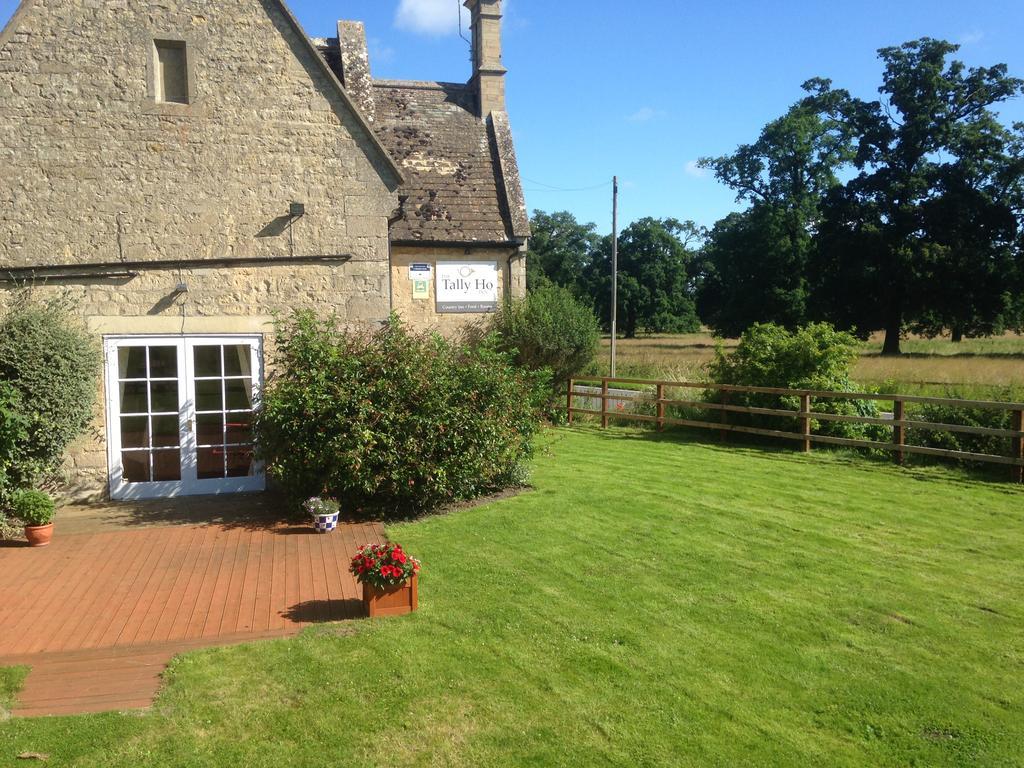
(165, 595)
(291, 577)
(218, 594)
(199, 573)
(25, 567)
(58, 603)
(208, 585)
(250, 585)
(146, 589)
(98, 619)
(260, 618)
(186, 572)
(125, 597)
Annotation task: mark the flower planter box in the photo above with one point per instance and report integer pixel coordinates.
(391, 601)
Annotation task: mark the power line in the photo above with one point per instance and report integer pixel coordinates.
(553, 188)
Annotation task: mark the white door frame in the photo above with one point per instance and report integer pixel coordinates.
(189, 484)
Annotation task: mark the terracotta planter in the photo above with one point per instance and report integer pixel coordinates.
(391, 601)
(39, 535)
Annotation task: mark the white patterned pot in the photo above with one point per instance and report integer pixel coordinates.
(325, 523)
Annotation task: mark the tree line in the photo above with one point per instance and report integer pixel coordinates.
(899, 214)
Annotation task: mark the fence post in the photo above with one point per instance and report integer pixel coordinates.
(1018, 446)
(604, 403)
(568, 401)
(661, 407)
(805, 421)
(724, 418)
(899, 430)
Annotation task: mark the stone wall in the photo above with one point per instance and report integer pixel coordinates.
(422, 313)
(219, 300)
(96, 170)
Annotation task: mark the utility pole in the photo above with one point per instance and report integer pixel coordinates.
(615, 266)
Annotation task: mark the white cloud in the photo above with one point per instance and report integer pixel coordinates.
(428, 17)
(694, 170)
(380, 52)
(644, 115)
(972, 38)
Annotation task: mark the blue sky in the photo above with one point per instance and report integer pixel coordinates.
(643, 89)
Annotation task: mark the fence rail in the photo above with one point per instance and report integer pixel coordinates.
(805, 416)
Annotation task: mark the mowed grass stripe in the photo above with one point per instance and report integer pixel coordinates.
(653, 602)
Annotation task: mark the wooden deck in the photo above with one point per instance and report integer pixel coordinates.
(98, 615)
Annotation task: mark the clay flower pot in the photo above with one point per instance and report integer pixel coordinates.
(39, 535)
(391, 601)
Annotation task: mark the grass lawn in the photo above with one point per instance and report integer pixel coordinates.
(651, 603)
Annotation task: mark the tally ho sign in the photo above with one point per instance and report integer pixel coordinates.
(464, 286)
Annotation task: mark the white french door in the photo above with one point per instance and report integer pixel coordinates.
(179, 415)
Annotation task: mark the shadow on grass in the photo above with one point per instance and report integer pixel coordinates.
(944, 355)
(923, 470)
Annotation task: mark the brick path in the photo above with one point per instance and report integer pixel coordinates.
(98, 615)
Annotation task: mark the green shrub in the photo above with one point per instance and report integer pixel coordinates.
(816, 357)
(548, 329)
(32, 507)
(970, 417)
(53, 363)
(392, 419)
(13, 431)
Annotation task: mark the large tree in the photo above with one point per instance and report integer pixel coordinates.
(754, 266)
(561, 251)
(930, 149)
(655, 292)
(751, 270)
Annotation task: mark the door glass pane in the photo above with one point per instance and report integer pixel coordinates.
(239, 394)
(163, 362)
(210, 463)
(133, 397)
(135, 432)
(166, 465)
(239, 462)
(164, 396)
(237, 360)
(208, 396)
(135, 466)
(210, 429)
(207, 360)
(166, 432)
(131, 362)
(239, 428)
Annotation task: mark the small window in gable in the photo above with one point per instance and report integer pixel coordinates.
(171, 71)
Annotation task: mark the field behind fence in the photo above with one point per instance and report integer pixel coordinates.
(973, 369)
(624, 399)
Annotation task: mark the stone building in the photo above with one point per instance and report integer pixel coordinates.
(186, 170)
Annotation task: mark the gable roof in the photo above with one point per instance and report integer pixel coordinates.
(23, 8)
(462, 183)
(453, 189)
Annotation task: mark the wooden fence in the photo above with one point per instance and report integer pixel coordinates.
(805, 416)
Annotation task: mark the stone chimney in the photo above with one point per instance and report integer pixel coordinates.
(488, 73)
(355, 66)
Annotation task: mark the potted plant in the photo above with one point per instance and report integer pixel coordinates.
(35, 509)
(389, 579)
(325, 513)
